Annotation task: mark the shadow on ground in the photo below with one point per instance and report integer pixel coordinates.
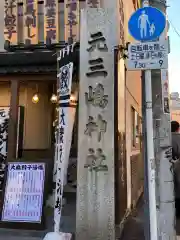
(134, 228)
(178, 226)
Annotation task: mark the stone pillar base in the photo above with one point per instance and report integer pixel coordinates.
(58, 236)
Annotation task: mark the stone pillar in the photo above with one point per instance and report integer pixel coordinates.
(13, 120)
(95, 217)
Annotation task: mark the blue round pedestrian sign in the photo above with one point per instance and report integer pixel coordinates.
(147, 24)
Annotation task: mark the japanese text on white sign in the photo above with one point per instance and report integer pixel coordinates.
(24, 193)
(148, 55)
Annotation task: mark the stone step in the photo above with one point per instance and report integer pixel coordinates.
(21, 234)
(19, 238)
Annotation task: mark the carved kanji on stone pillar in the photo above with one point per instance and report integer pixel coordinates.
(93, 3)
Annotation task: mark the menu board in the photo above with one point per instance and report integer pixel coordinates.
(23, 200)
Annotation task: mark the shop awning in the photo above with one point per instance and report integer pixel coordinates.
(28, 62)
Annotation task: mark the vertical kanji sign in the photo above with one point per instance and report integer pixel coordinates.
(30, 22)
(4, 120)
(10, 21)
(66, 116)
(50, 20)
(95, 176)
(71, 14)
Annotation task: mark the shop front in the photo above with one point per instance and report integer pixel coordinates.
(27, 113)
(28, 123)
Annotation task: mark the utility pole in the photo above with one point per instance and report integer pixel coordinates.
(163, 151)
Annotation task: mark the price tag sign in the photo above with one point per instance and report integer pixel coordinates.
(148, 55)
(23, 199)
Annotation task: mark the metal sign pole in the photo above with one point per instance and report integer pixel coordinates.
(146, 25)
(144, 130)
(150, 157)
(150, 153)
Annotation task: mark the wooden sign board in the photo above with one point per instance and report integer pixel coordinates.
(24, 194)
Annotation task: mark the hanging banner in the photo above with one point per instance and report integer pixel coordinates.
(71, 14)
(30, 22)
(68, 53)
(10, 21)
(23, 198)
(65, 56)
(64, 136)
(4, 120)
(51, 23)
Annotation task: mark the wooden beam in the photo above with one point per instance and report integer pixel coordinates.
(13, 121)
(29, 77)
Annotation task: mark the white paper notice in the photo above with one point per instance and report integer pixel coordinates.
(23, 199)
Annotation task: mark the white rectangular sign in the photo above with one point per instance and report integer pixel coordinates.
(148, 55)
(23, 198)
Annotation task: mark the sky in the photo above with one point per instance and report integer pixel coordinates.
(174, 56)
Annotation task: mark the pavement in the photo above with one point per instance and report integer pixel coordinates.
(134, 227)
(13, 234)
(68, 223)
(133, 230)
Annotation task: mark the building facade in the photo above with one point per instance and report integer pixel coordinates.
(133, 127)
(33, 32)
(175, 106)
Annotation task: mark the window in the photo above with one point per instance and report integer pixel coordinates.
(135, 128)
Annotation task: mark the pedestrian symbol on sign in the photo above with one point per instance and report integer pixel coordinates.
(144, 25)
(147, 24)
(152, 29)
